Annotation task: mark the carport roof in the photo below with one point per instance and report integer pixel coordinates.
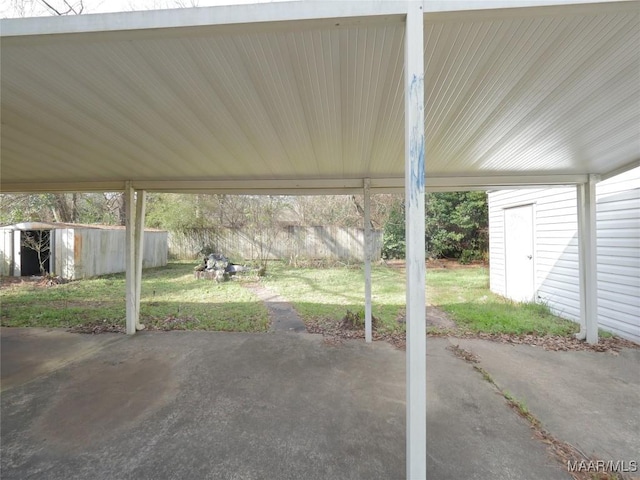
(308, 97)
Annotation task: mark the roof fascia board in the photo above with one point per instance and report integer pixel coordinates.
(277, 12)
(479, 11)
(302, 187)
(510, 181)
(200, 16)
(618, 171)
(62, 187)
(536, 6)
(256, 185)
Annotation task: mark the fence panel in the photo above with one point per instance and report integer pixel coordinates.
(289, 243)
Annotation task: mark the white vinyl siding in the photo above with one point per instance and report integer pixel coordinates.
(556, 249)
(618, 217)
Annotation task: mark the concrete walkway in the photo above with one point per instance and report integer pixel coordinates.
(261, 406)
(284, 317)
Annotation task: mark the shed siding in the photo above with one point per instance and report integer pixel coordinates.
(101, 252)
(63, 245)
(6, 252)
(98, 252)
(17, 253)
(556, 250)
(82, 252)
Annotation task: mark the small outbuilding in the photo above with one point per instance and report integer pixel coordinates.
(534, 250)
(73, 251)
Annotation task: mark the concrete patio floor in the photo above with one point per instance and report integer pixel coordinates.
(206, 405)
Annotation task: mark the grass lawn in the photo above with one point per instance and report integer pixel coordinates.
(319, 294)
(464, 294)
(171, 299)
(461, 292)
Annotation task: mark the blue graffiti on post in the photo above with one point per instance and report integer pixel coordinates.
(416, 137)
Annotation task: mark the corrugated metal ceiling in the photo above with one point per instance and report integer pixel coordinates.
(536, 91)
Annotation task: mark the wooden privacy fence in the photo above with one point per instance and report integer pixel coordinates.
(288, 243)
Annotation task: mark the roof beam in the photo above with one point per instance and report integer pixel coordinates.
(305, 187)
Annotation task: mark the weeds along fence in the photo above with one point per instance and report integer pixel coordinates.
(291, 243)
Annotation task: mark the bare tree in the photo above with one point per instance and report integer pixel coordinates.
(135, 5)
(263, 227)
(186, 3)
(342, 210)
(40, 242)
(65, 8)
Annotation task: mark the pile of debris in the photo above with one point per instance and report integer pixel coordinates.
(49, 280)
(217, 267)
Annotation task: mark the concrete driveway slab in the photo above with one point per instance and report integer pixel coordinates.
(207, 405)
(589, 399)
(28, 353)
(471, 432)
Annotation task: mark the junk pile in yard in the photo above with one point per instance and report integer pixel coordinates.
(218, 267)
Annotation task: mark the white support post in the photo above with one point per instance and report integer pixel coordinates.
(587, 239)
(139, 251)
(130, 258)
(367, 261)
(415, 254)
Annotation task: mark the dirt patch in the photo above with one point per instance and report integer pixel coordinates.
(98, 327)
(334, 332)
(34, 281)
(435, 318)
(440, 263)
(17, 282)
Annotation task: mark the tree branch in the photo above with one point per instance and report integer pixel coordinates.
(71, 8)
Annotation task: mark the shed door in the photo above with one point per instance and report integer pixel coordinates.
(518, 237)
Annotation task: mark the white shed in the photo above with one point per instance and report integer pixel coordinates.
(74, 251)
(534, 250)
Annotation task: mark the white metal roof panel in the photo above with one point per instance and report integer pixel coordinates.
(289, 97)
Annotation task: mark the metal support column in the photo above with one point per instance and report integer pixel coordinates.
(587, 237)
(367, 262)
(415, 254)
(130, 259)
(139, 251)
